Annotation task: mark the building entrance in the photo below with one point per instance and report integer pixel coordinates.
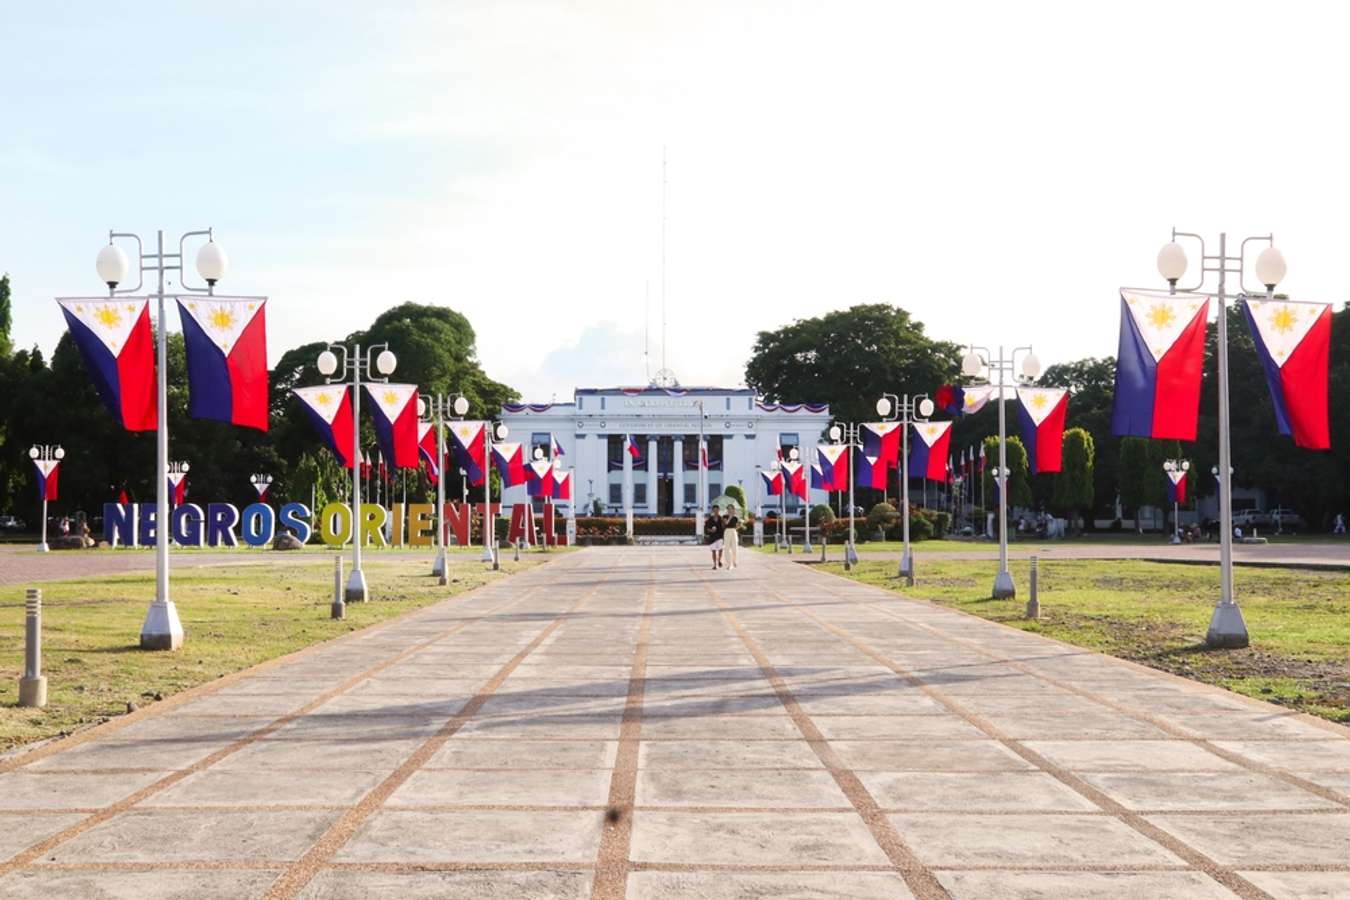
(665, 496)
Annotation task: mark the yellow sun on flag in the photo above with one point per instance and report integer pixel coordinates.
(390, 398)
(108, 317)
(1161, 315)
(1282, 320)
(323, 400)
(931, 431)
(222, 318)
(1038, 400)
(130, 308)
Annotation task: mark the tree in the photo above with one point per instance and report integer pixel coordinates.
(1019, 483)
(1091, 383)
(849, 358)
(737, 493)
(6, 319)
(1073, 490)
(1142, 481)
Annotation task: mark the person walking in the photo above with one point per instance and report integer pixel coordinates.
(716, 531)
(1339, 526)
(731, 537)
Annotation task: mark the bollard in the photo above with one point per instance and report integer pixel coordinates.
(339, 608)
(517, 556)
(822, 549)
(496, 555)
(33, 684)
(1033, 604)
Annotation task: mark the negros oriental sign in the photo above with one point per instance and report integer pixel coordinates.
(225, 525)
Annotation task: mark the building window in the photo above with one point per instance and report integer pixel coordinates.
(616, 495)
(640, 494)
(786, 443)
(539, 440)
(714, 490)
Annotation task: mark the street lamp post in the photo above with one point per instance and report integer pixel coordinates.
(1171, 467)
(376, 367)
(907, 410)
(435, 408)
(162, 629)
(846, 433)
(977, 360)
(1227, 628)
(702, 476)
(262, 483)
(45, 453)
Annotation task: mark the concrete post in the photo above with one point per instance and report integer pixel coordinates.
(339, 608)
(496, 555)
(823, 542)
(517, 556)
(33, 684)
(1033, 602)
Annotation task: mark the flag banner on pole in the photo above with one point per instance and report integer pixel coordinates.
(772, 482)
(118, 349)
(469, 441)
(1176, 487)
(394, 409)
(795, 478)
(366, 468)
(177, 488)
(262, 487)
(426, 449)
(1159, 363)
(48, 473)
(1293, 341)
(555, 449)
(631, 446)
(951, 399)
(928, 450)
(983, 461)
(562, 486)
(974, 398)
(509, 459)
(869, 471)
(1042, 411)
(225, 339)
(539, 478)
(882, 440)
(330, 410)
(818, 478)
(833, 466)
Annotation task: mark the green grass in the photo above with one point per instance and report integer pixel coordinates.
(233, 616)
(1157, 614)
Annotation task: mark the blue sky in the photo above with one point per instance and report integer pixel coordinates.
(997, 170)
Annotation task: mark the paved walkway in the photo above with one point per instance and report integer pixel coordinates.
(772, 732)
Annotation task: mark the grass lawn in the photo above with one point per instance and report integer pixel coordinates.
(1157, 614)
(234, 617)
(1097, 539)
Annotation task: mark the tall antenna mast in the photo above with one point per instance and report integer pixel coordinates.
(663, 256)
(647, 330)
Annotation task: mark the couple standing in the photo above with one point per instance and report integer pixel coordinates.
(724, 536)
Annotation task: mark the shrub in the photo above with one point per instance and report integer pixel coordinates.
(737, 493)
(821, 514)
(881, 517)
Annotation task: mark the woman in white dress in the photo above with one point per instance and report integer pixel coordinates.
(731, 537)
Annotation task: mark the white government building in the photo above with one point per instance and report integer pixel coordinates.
(743, 433)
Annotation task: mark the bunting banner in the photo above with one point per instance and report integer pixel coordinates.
(539, 478)
(329, 408)
(951, 399)
(869, 471)
(177, 488)
(833, 463)
(882, 440)
(983, 461)
(795, 478)
(1176, 487)
(394, 409)
(366, 467)
(510, 462)
(973, 399)
(1042, 411)
(928, 451)
(468, 440)
(1159, 364)
(427, 450)
(118, 349)
(48, 473)
(772, 482)
(225, 339)
(817, 478)
(262, 487)
(1293, 342)
(562, 486)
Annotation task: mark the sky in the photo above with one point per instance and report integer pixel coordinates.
(996, 169)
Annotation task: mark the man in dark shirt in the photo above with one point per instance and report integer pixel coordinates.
(715, 529)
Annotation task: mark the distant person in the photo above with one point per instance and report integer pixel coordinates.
(1237, 532)
(1338, 525)
(731, 524)
(716, 535)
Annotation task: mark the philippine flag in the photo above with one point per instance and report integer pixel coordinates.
(973, 399)
(869, 471)
(882, 440)
(631, 446)
(951, 399)
(1176, 487)
(394, 409)
(426, 449)
(772, 482)
(366, 467)
(226, 343)
(555, 449)
(795, 474)
(469, 441)
(539, 475)
(177, 488)
(118, 349)
(1293, 341)
(562, 486)
(1160, 360)
(330, 409)
(833, 466)
(48, 472)
(1043, 411)
(508, 459)
(817, 478)
(262, 487)
(928, 453)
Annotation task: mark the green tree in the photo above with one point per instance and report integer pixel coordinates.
(849, 358)
(1142, 481)
(1073, 492)
(6, 319)
(1091, 383)
(737, 493)
(1019, 478)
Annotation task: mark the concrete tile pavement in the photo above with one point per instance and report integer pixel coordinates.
(769, 732)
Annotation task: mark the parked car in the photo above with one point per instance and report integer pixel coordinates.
(11, 523)
(1285, 519)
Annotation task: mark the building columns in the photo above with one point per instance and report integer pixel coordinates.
(677, 492)
(651, 475)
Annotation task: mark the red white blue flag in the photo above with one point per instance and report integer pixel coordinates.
(394, 409)
(631, 446)
(983, 461)
(262, 487)
(869, 471)
(928, 451)
(225, 339)
(1176, 487)
(177, 488)
(118, 349)
(427, 450)
(973, 399)
(833, 466)
(539, 478)
(818, 478)
(882, 440)
(509, 459)
(1159, 363)
(329, 408)
(48, 472)
(562, 486)
(1042, 411)
(555, 449)
(951, 399)
(469, 442)
(772, 482)
(1293, 341)
(795, 478)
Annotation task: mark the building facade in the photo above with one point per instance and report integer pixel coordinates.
(743, 434)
